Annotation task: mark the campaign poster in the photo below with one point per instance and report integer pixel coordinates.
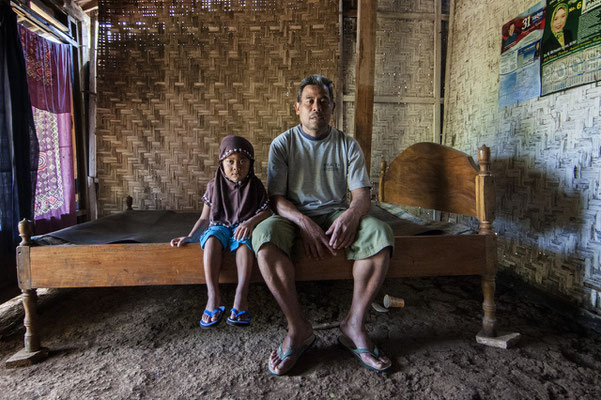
(571, 44)
(519, 66)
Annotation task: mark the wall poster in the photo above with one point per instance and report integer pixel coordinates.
(571, 44)
(519, 65)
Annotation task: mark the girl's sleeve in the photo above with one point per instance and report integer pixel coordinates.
(209, 192)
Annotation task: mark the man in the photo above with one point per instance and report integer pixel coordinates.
(511, 35)
(311, 168)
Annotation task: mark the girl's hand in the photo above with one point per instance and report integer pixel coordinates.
(177, 242)
(243, 231)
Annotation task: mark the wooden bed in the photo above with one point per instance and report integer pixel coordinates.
(427, 175)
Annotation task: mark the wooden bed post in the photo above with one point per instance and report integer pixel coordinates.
(485, 206)
(485, 201)
(381, 181)
(33, 351)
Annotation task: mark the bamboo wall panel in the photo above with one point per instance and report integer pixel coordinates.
(404, 6)
(175, 77)
(404, 70)
(546, 160)
(405, 57)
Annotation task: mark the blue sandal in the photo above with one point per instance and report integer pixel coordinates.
(210, 324)
(237, 321)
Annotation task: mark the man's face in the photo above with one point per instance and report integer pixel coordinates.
(511, 29)
(315, 109)
(236, 167)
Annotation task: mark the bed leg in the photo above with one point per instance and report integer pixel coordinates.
(488, 335)
(489, 320)
(33, 352)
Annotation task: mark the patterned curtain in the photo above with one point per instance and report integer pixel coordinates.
(49, 79)
(18, 144)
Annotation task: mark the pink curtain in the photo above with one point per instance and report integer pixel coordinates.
(49, 80)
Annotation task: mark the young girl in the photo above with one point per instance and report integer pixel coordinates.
(235, 202)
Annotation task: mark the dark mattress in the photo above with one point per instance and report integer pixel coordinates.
(125, 227)
(162, 226)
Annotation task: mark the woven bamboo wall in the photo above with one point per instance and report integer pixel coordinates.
(175, 77)
(404, 77)
(546, 159)
(404, 68)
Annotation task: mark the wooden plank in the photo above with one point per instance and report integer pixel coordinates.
(160, 264)
(397, 15)
(398, 99)
(116, 265)
(23, 267)
(443, 255)
(437, 129)
(365, 75)
(339, 95)
(37, 20)
(445, 140)
(408, 16)
(92, 204)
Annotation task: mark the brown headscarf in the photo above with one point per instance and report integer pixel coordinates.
(235, 202)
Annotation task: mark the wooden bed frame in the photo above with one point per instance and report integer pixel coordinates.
(427, 175)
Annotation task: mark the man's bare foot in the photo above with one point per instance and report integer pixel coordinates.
(356, 340)
(293, 345)
(285, 357)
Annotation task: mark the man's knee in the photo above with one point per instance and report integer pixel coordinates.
(265, 253)
(274, 231)
(374, 240)
(382, 258)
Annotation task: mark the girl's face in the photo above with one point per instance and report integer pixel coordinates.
(236, 166)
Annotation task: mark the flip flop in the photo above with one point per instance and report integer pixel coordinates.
(211, 324)
(348, 344)
(293, 354)
(238, 321)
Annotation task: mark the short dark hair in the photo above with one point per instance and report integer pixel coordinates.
(319, 80)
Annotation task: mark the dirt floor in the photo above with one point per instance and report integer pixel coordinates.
(129, 343)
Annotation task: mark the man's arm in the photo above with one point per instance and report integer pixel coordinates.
(315, 241)
(342, 232)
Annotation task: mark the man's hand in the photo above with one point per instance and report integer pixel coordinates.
(243, 231)
(344, 229)
(315, 241)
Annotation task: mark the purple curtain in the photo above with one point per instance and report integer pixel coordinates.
(49, 79)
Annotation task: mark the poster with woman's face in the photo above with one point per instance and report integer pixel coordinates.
(571, 44)
(561, 27)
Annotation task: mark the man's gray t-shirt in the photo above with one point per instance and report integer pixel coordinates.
(315, 173)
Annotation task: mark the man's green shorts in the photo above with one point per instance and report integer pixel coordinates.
(373, 234)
